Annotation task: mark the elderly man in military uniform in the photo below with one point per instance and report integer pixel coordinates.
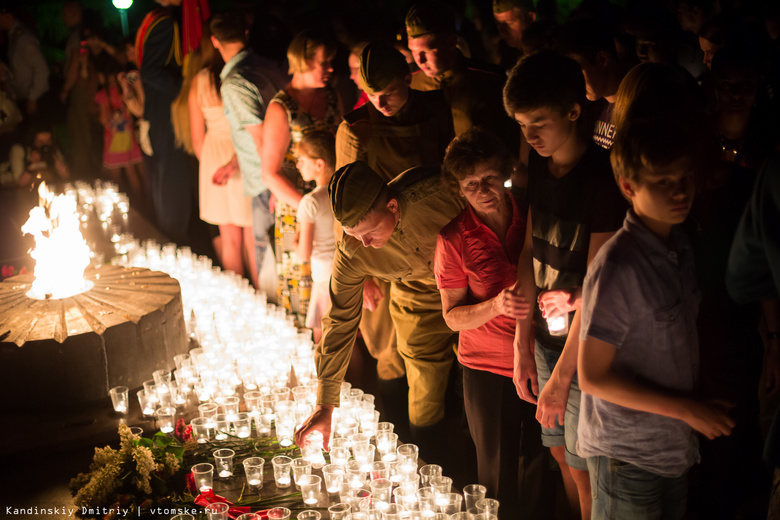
(473, 92)
(398, 129)
(390, 232)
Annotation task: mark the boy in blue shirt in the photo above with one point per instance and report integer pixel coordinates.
(638, 358)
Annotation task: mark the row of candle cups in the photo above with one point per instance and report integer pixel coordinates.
(392, 486)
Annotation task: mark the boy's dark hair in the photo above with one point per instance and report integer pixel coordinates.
(470, 149)
(544, 79)
(319, 144)
(228, 26)
(585, 37)
(660, 129)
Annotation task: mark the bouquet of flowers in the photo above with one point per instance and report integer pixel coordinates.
(139, 474)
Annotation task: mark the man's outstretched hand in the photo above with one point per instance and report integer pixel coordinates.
(318, 421)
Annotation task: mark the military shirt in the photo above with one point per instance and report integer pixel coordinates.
(406, 261)
(417, 136)
(475, 97)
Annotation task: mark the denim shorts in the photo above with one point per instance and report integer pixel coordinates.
(622, 490)
(565, 435)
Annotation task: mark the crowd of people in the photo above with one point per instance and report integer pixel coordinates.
(579, 220)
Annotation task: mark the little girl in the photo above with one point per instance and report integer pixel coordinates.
(120, 147)
(315, 240)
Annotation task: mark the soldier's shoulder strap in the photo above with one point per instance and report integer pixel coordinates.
(359, 114)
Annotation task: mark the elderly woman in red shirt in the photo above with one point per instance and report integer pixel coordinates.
(476, 271)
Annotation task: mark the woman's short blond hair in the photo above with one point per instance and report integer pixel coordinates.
(303, 48)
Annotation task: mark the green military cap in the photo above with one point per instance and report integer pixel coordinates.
(430, 16)
(353, 189)
(501, 6)
(380, 64)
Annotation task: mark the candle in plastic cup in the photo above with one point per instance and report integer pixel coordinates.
(222, 427)
(166, 419)
(339, 511)
(248, 516)
(309, 514)
(223, 461)
(449, 503)
(208, 410)
(263, 421)
(558, 325)
(384, 427)
(426, 498)
(472, 494)
(406, 497)
(203, 474)
(339, 455)
(381, 489)
(355, 476)
(285, 432)
(217, 511)
(282, 469)
(429, 471)
(364, 454)
(202, 432)
(334, 476)
(371, 507)
(310, 489)
(407, 453)
(488, 505)
(300, 467)
(379, 469)
(279, 513)
(230, 407)
(243, 425)
(386, 443)
(119, 398)
(441, 485)
(393, 512)
(145, 400)
(253, 469)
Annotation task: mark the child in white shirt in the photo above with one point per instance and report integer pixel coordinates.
(316, 240)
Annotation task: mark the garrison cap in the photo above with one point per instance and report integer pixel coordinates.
(353, 189)
(380, 64)
(501, 6)
(428, 17)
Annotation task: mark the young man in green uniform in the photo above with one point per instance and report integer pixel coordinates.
(400, 128)
(473, 92)
(390, 232)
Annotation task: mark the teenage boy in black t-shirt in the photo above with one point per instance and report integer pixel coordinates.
(591, 43)
(574, 207)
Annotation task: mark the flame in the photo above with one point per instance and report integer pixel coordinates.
(61, 254)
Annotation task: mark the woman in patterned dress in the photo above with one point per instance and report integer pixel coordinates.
(307, 103)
